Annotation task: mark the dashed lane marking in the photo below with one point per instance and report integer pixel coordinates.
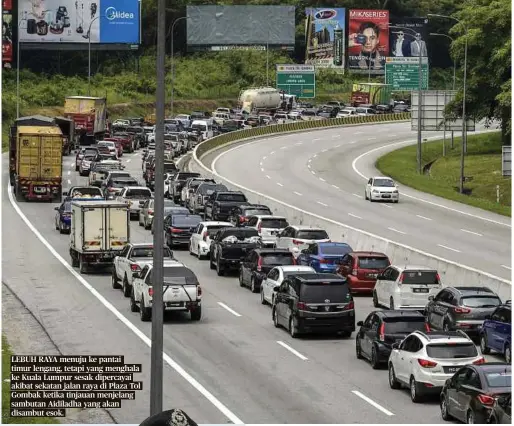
(323, 204)
(423, 217)
(396, 230)
(279, 184)
(373, 403)
(471, 232)
(298, 193)
(229, 309)
(335, 186)
(322, 180)
(506, 267)
(354, 215)
(268, 176)
(69, 182)
(449, 248)
(357, 195)
(293, 351)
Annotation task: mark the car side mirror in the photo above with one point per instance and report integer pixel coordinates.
(488, 317)
(360, 323)
(380, 277)
(431, 298)
(396, 345)
(56, 208)
(135, 275)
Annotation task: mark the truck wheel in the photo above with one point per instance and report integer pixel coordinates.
(19, 196)
(82, 266)
(144, 312)
(127, 288)
(11, 178)
(196, 314)
(133, 304)
(114, 280)
(74, 261)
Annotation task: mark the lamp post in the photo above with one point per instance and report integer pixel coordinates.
(89, 53)
(464, 131)
(18, 55)
(454, 72)
(173, 63)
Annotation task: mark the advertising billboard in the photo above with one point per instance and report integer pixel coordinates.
(7, 34)
(325, 30)
(406, 34)
(81, 21)
(237, 27)
(368, 41)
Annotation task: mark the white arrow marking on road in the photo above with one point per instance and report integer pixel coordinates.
(293, 351)
(229, 309)
(373, 403)
(471, 232)
(449, 248)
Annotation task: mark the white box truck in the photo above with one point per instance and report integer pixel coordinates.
(100, 230)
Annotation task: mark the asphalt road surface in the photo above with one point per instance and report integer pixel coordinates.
(325, 172)
(231, 366)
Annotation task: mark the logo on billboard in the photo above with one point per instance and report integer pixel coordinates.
(111, 14)
(325, 14)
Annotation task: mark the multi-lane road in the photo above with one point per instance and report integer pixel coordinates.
(234, 366)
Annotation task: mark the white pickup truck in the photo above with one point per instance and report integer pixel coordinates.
(131, 259)
(181, 291)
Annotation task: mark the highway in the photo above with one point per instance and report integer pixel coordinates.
(325, 172)
(233, 366)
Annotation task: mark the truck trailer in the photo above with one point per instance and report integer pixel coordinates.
(89, 115)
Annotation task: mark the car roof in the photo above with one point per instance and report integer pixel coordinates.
(414, 268)
(320, 277)
(398, 313)
(382, 177)
(268, 216)
(214, 223)
(368, 253)
(295, 268)
(272, 250)
(469, 291)
(306, 228)
(332, 244)
(444, 336)
(137, 187)
(254, 206)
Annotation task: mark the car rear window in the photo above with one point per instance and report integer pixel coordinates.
(312, 235)
(209, 189)
(499, 379)
(404, 325)
(86, 191)
(175, 210)
(373, 262)
(120, 183)
(148, 252)
(420, 277)
(451, 351)
(274, 223)
(256, 212)
(139, 192)
(232, 197)
(480, 302)
(318, 293)
(336, 249)
(241, 234)
(183, 220)
(277, 258)
(211, 230)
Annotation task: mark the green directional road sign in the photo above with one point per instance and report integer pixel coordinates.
(403, 73)
(299, 80)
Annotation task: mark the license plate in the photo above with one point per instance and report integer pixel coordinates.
(386, 196)
(420, 290)
(372, 275)
(451, 370)
(174, 304)
(40, 189)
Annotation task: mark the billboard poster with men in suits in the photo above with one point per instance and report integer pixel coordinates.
(407, 36)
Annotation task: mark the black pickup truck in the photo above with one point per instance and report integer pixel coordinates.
(230, 246)
(221, 203)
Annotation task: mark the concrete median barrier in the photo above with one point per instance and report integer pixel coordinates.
(452, 273)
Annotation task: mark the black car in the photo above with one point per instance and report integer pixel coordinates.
(240, 214)
(470, 394)
(179, 228)
(461, 308)
(501, 412)
(172, 211)
(311, 303)
(381, 329)
(219, 205)
(256, 266)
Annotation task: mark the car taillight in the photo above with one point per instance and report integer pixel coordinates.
(204, 236)
(175, 230)
(150, 291)
(259, 264)
(349, 306)
(400, 281)
(259, 228)
(486, 399)
(111, 189)
(458, 310)
(426, 363)
(198, 291)
(323, 261)
(427, 327)
(134, 268)
(438, 278)
(150, 211)
(354, 272)
(479, 361)
(381, 332)
(301, 305)
(199, 198)
(297, 242)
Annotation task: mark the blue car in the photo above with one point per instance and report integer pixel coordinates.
(496, 332)
(63, 218)
(323, 257)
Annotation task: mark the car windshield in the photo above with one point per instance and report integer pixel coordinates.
(385, 183)
(232, 197)
(120, 183)
(480, 301)
(312, 235)
(274, 223)
(256, 212)
(138, 193)
(277, 258)
(291, 273)
(420, 277)
(404, 325)
(90, 157)
(451, 350)
(184, 220)
(499, 379)
(148, 252)
(241, 233)
(211, 230)
(175, 210)
(88, 190)
(339, 249)
(308, 113)
(318, 293)
(373, 262)
(169, 167)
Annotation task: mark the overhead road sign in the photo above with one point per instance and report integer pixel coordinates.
(403, 73)
(299, 80)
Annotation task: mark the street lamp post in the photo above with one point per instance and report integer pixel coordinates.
(173, 64)
(18, 55)
(89, 54)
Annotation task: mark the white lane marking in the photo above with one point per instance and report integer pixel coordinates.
(69, 182)
(260, 164)
(371, 139)
(335, 136)
(337, 146)
(315, 155)
(335, 186)
(323, 204)
(268, 176)
(357, 195)
(128, 160)
(279, 184)
(358, 133)
(354, 166)
(373, 403)
(298, 193)
(393, 136)
(506, 267)
(229, 309)
(352, 142)
(72, 165)
(396, 230)
(272, 152)
(69, 172)
(309, 166)
(423, 217)
(299, 143)
(262, 169)
(325, 150)
(317, 139)
(449, 248)
(293, 351)
(313, 172)
(354, 215)
(386, 206)
(471, 232)
(322, 180)
(170, 361)
(283, 147)
(264, 157)
(310, 159)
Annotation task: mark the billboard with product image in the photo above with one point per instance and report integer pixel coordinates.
(405, 35)
(7, 35)
(325, 30)
(368, 41)
(79, 21)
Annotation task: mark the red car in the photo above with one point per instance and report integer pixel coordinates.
(119, 145)
(361, 269)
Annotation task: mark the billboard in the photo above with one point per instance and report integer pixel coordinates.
(7, 34)
(85, 21)
(406, 34)
(325, 30)
(368, 41)
(233, 27)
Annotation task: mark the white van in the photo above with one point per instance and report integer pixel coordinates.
(205, 127)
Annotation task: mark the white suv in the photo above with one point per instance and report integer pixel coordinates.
(268, 228)
(424, 361)
(406, 287)
(381, 189)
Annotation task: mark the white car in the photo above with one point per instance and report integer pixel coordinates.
(406, 287)
(381, 188)
(424, 361)
(346, 113)
(85, 164)
(275, 278)
(111, 145)
(200, 241)
(295, 238)
(268, 227)
(134, 196)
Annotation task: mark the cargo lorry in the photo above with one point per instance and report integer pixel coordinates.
(89, 115)
(260, 99)
(100, 230)
(35, 157)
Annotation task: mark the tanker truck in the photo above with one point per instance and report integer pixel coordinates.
(260, 99)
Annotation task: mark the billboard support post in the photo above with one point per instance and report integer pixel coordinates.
(18, 54)
(173, 64)
(156, 369)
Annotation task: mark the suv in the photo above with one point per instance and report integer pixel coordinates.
(424, 361)
(496, 332)
(314, 302)
(407, 287)
(462, 308)
(268, 227)
(361, 269)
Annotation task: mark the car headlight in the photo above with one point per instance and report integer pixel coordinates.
(376, 191)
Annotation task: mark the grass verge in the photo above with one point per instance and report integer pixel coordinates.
(482, 164)
(6, 389)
